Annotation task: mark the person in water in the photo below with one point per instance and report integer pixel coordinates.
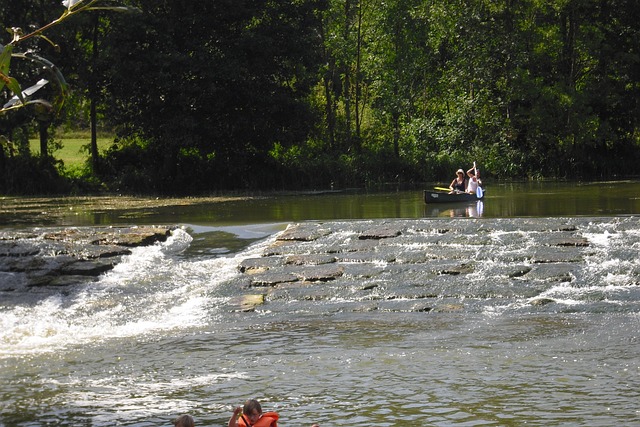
(458, 184)
(250, 415)
(184, 421)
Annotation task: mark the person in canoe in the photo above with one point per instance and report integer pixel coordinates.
(474, 180)
(458, 185)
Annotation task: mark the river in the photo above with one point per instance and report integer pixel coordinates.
(523, 309)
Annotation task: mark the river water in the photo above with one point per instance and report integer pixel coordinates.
(436, 325)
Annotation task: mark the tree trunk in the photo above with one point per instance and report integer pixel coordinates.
(328, 88)
(358, 84)
(329, 111)
(346, 90)
(568, 60)
(93, 97)
(43, 130)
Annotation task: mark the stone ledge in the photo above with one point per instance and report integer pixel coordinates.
(68, 256)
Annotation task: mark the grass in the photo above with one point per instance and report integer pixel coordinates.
(72, 153)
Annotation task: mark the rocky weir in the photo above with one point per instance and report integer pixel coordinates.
(384, 264)
(436, 264)
(58, 257)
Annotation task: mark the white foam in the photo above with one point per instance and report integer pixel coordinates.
(150, 291)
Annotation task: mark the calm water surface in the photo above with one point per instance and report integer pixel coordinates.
(505, 200)
(537, 199)
(157, 336)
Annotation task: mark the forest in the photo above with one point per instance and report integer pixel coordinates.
(237, 95)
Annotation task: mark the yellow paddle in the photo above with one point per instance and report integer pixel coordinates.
(442, 188)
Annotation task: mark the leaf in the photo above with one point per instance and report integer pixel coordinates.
(5, 60)
(14, 86)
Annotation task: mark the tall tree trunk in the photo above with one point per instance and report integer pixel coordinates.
(93, 96)
(396, 133)
(346, 90)
(329, 110)
(395, 110)
(568, 33)
(568, 60)
(358, 83)
(44, 115)
(328, 90)
(43, 131)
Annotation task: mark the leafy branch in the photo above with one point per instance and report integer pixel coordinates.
(22, 97)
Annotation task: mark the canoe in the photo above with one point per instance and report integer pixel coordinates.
(444, 197)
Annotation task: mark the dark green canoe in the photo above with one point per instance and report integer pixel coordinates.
(444, 197)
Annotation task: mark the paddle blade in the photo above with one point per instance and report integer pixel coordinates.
(479, 192)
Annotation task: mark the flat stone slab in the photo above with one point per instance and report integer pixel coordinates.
(302, 232)
(256, 265)
(86, 268)
(320, 273)
(273, 279)
(569, 241)
(11, 248)
(366, 256)
(458, 269)
(380, 233)
(556, 254)
(310, 259)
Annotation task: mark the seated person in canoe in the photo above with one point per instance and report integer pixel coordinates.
(458, 185)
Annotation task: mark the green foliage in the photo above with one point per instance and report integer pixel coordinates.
(24, 174)
(251, 94)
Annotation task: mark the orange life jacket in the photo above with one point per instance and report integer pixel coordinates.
(268, 419)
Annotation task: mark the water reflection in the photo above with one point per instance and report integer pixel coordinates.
(473, 209)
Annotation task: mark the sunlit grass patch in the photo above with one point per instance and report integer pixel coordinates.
(72, 152)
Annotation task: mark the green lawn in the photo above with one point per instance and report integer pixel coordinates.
(71, 152)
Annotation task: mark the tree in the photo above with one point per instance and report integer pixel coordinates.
(222, 82)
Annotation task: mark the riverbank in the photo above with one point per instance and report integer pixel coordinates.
(15, 211)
